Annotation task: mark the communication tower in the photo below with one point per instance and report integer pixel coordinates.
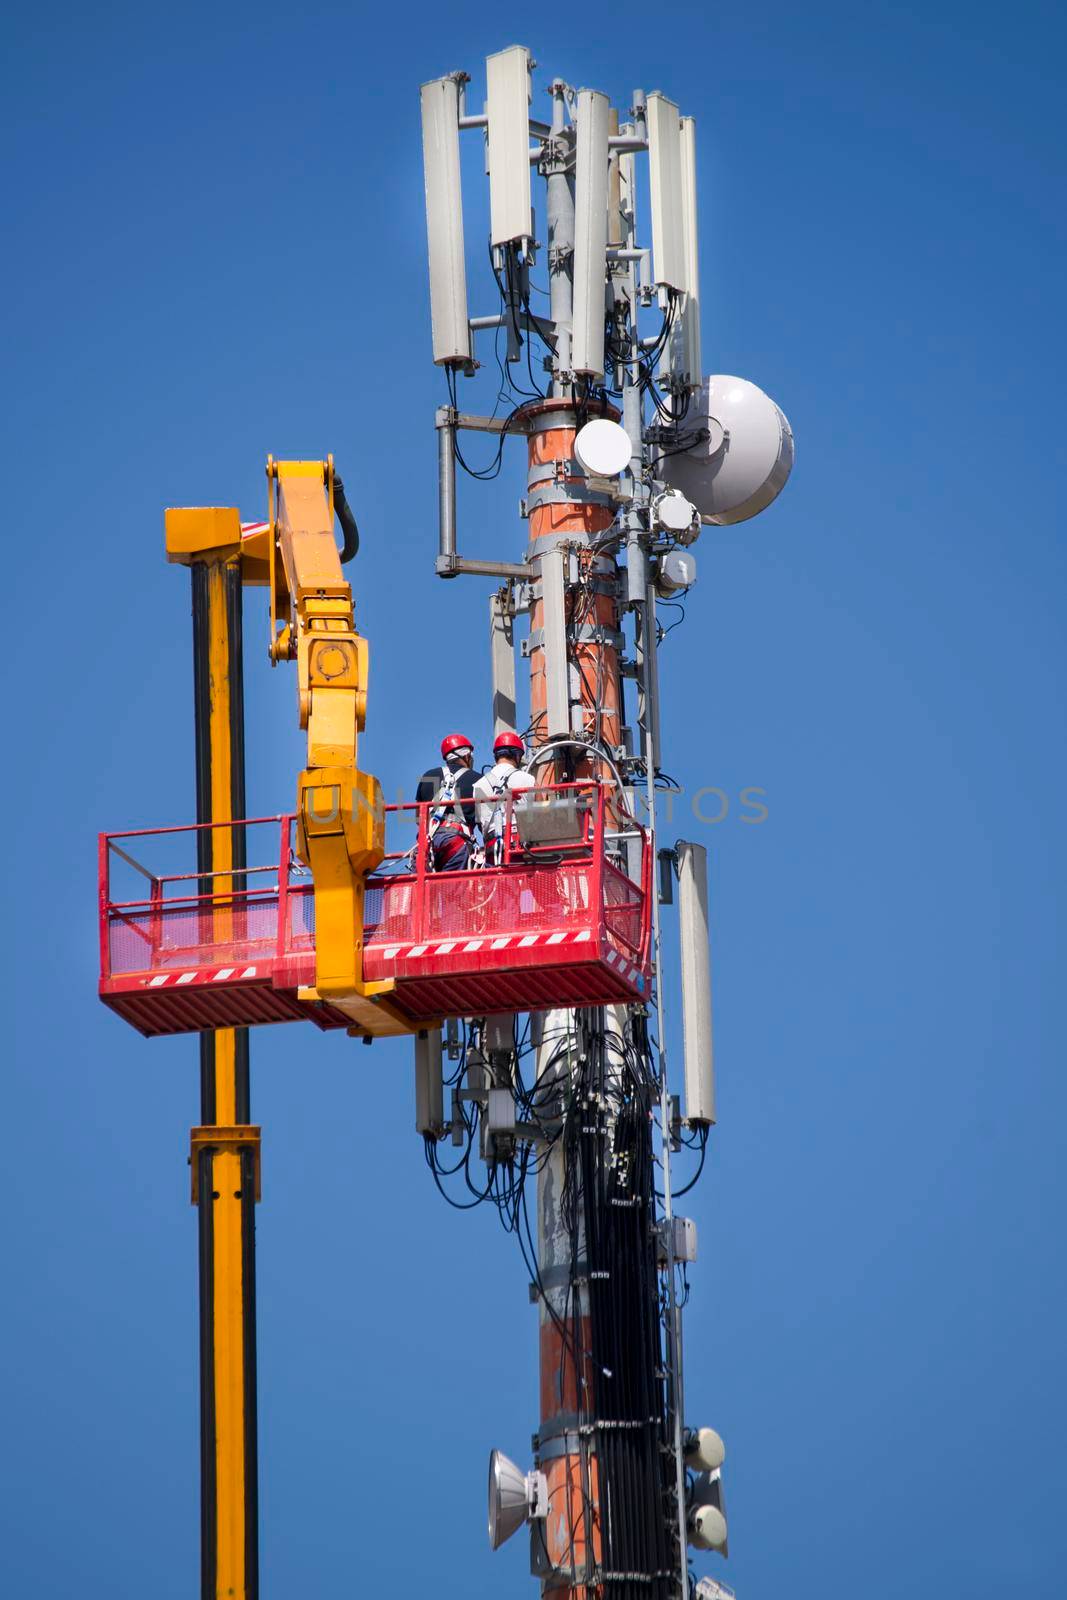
(630, 452)
(533, 982)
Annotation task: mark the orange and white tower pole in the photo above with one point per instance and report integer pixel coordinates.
(575, 704)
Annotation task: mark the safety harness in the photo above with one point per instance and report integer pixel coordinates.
(446, 808)
(500, 789)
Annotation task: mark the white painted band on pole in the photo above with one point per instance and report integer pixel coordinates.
(696, 983)
(590, 233)
(444, 221)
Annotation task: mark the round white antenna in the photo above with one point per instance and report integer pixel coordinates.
(603, 448)
(743, 463)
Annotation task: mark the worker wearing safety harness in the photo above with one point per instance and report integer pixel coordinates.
(452, 819)
(505, 777)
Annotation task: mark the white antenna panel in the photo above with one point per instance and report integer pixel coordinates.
(590, 233)
(690, 351)
(614, 186)
(627, 197)
(681, 358)
(444, 221)
(665, 183)
(508, 87)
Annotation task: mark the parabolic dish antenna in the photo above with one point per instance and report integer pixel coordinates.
(603, 448)
(743, 464)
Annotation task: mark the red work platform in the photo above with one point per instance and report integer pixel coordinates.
(560, 922)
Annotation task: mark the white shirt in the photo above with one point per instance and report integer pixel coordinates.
(491, 792)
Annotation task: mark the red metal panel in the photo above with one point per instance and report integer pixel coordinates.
(155, 1013)
(549, 928)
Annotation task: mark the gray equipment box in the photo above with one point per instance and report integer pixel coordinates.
(557, 819)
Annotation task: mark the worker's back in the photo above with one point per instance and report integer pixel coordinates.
(491, 792)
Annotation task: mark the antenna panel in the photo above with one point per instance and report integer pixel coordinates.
(681, 359)
(665, 182)
(508, 86)
(692, 253)
(689, 353)
(444, 221)
(696, 982)
(614, 185)
(590, 233)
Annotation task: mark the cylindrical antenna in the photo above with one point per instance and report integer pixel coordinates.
(429, 1083)
(446, 494)
(696, 983)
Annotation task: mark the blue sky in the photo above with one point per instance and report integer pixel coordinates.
(216, 251)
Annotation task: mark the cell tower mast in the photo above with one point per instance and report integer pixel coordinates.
(629, 452)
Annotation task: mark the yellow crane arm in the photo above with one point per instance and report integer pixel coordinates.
(340, 815)
(340, 811)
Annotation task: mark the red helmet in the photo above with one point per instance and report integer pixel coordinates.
(509, 742)
(453, 742)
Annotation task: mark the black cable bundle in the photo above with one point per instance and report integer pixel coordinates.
(628, 1421)
(603, 1124)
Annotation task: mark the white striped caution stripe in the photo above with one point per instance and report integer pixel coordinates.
(506, 941)
(177, 980)
(408, 952)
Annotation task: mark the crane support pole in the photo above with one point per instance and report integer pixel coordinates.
(225, 1147)
(226, 1187)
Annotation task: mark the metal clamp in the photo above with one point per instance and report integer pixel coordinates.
(242, 1136)
(562, 494)
(583, 633)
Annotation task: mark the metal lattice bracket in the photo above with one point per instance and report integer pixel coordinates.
(241, 1136)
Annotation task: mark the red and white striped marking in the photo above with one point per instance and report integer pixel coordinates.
(632, 974)
(488, 942)
(249, 528)
(177, 980)
(491, 944)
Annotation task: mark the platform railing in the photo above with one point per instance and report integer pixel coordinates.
(604, 828)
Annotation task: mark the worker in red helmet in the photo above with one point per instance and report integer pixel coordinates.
(450, 788)
(505, 777)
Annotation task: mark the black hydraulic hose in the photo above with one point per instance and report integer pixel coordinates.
(348, 523)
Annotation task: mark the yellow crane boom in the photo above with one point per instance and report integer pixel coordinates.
(340, 810)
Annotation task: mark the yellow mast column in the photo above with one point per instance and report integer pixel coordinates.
(225, 1147)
